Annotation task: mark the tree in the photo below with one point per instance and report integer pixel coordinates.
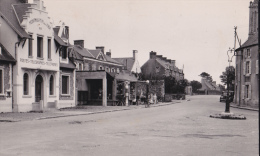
(222, 87)
(170, 82)
(207, 76)
(195, 86)
(227, 79)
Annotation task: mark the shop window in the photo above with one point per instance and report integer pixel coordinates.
(25, 84)
(1, 81)
(51, 85)
(49, 48)
(30, 46)
(65, 84)
(39, 47)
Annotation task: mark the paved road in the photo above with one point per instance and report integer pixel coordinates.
(182, 129)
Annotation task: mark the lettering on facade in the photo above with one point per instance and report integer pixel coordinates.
(39, 20)
(37, 62)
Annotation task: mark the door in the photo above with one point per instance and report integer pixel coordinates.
(38, 88)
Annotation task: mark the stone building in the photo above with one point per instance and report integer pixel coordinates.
(158, 67)
(27, 34)
(247, 69)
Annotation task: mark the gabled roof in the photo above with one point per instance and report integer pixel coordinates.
(57, 38)
(127, 61)
(20, 10)
(6, 56)
(95, 52)
(8, 13)
(251, 41)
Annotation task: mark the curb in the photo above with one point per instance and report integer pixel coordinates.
(99, 112)
(245, 108)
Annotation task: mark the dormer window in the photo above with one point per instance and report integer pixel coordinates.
(64, 53)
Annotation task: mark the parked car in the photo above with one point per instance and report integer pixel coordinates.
(223, 96)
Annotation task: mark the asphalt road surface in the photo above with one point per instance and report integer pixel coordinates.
(181, 129)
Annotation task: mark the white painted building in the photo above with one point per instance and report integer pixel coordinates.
(27, 34)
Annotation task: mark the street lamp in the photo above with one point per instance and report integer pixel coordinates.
(230, 56)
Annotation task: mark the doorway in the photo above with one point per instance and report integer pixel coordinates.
(38, 88)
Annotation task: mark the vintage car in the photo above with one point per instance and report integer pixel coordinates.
(223, 96)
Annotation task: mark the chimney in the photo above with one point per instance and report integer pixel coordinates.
(169, 60)
(159, 56)
(102, 48)
(24, 1)
(173, 62)
(135, 54)
(109, 53)
(79, 42)
(164, 58)
(152, 55)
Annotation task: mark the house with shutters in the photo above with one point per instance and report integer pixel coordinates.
(247, 69)
(42, 79)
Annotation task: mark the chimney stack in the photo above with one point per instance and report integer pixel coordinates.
(102, 48)
(135, 53)
(169, 60)
(109, 53)
(152, 55)
(173, 62)
(159, 56)
(164, 58)
(79, 42)
(24, 1)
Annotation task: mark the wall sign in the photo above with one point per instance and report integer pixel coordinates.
(38, 62)
(39, 20)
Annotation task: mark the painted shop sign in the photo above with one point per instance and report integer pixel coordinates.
(37, 62)
(39, 20)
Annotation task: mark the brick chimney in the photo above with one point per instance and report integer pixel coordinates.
(109, 53)
(102, 48)
(135, 54)
(164, 58)
(159, 56)
(79, 42)
(173, 62)
(152, 55)
(169, 60)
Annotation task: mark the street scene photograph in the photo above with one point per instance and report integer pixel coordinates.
(129, 77)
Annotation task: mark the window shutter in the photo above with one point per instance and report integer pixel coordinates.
(249, 67)
(244, 53)
(249, 53)
(256, 67)
(243, 92)
(244, 68)
(249, 91)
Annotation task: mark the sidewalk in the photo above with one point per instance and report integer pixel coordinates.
(74, 111)
(233, 105)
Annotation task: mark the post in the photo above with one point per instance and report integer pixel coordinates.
(104, 92)
(227, 99)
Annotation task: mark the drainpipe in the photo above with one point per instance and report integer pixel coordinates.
(15, 57)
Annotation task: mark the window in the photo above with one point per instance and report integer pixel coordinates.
(1, 81)
(30, 44)
(51, 85)
(64, 53)
(86, 67)
(247, 91)
(256, 67)
(247, 67)
(80, 66)
(112, 70)
(107, 69)
(49, 48)
(117, 70)
(39, 47)
(65, 84)
(100, 68)
(94, 67)
(25, 84)
(248, 53)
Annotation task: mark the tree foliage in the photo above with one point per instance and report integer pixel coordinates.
(173, 86)
(195, 86)
(228, 76)
(207, 76)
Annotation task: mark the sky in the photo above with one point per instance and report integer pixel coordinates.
(195, 33)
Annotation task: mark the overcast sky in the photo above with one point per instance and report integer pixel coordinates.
(195, 33)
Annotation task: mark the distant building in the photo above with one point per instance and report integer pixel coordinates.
(131, 64)
(158, 67)
(209, 88)
(247, 70)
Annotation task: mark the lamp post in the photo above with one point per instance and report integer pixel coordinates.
(230, 55)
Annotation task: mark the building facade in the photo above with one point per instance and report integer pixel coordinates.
(247, 70)
(27, 34)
